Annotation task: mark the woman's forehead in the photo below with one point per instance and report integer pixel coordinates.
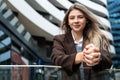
(75, 12)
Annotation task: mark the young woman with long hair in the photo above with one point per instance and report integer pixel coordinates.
(83, 48)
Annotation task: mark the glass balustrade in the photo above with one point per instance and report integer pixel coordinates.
(48, 72)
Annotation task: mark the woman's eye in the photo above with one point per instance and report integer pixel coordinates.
(80, 17)
(71, 18)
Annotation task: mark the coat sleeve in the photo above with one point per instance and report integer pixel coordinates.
(105, 62)
(60, 57)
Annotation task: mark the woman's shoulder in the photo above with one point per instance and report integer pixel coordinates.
(63, 36)
(60, 36)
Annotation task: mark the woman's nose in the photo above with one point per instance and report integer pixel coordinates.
(75, 20)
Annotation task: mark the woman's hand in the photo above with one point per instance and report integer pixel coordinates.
(79, 58)
(91, 55)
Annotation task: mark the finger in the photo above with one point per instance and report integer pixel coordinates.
(88, 57)
(96, 49)
(87, 61)
(95, 60)
(96, 54)
(90, 48)
(88, 64)
(92, 63)
(89, 45)
(89, 51)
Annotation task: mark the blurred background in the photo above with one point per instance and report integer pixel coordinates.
(27, 28)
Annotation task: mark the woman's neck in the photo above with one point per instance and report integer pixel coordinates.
(77, 36)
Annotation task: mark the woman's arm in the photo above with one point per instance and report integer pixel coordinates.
(61, 58)
(105, 62)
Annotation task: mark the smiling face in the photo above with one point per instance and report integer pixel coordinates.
(77, 21)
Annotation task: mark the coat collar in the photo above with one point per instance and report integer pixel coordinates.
(69, 42)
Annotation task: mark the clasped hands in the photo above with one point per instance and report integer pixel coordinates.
(90, 55)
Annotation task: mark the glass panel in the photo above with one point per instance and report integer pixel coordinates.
(2, 7)
(1, 33)
(20, 28)
(5, 56)
(6, 41)
(109, 74)
(48, 72)
(27, 36)
(14, 21)
(7, 14)
(29, 72)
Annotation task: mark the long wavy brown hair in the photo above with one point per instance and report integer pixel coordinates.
(92, 32)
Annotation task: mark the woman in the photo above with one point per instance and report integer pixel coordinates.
(82, 45)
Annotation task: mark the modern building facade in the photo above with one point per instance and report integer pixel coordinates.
(27, 28)
(114, 18)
